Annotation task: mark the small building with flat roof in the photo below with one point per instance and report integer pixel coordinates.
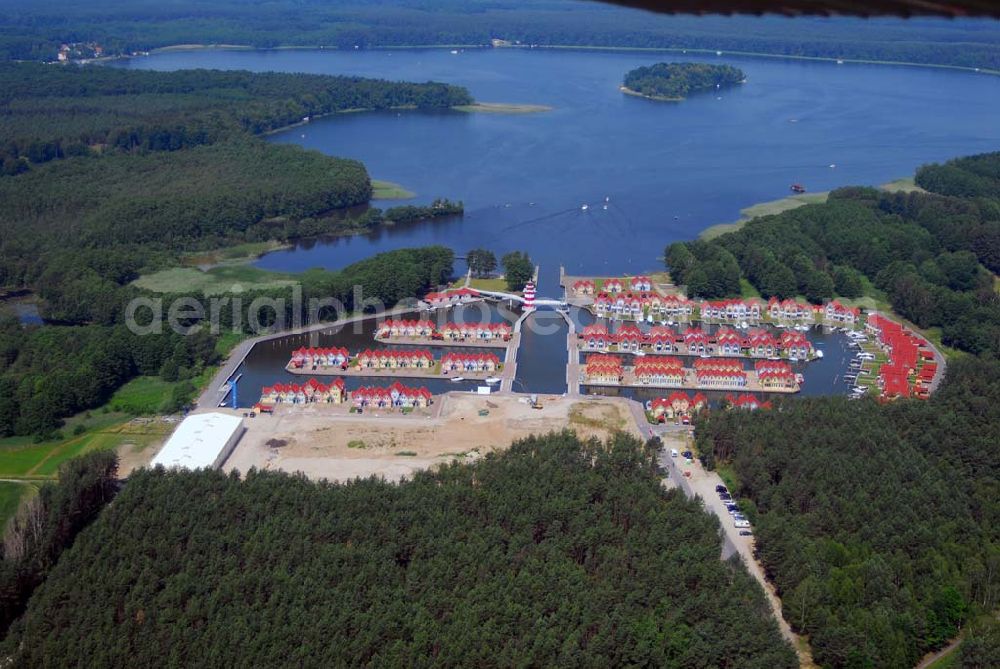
(201, 441)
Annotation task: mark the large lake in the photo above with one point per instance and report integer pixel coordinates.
(669, 170)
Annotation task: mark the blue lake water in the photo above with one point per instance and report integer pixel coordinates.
(664, 171)
(670, 170)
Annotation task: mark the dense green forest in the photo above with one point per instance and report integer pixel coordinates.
(675, 81)
(110, 173)
(54, 112)
(48, 523)
(555, 553)
(933, 255)
(50, 372)
(879, 524)
(33, 30)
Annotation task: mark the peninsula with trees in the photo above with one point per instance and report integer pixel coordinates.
(673, 82)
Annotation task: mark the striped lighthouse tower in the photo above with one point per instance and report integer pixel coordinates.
(529, 295)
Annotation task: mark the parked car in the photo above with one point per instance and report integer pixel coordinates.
(746, 533)
(741, 523)
(725, 497)
(673, 452)
(721, 488)
(687, 454)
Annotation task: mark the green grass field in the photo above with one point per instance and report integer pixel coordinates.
(215, 281)
(20, 457)
(482, 284)
(231, 254)
(145, 395)
(904, 185)
(387, 190)
(764, 209)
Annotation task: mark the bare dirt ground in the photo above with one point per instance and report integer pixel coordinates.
(339, 446)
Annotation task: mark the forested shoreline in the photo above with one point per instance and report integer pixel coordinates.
(933, 256)
(555, 553)
(37, 32)
(109, 174)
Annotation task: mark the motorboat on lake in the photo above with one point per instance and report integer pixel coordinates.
(492, 380)
(456, 379)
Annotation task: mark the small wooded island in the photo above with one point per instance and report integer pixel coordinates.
(675, 81)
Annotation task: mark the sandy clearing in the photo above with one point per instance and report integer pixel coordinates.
(338, 446)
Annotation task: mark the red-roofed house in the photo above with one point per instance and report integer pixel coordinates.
(450, 297)
(601, 368)
(595, 336)
(641, 283)
(659, 371)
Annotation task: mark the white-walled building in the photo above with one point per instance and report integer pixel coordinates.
(201, 441)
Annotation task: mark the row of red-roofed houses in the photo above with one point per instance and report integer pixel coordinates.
(695, 341)
(604, 369)
(469, 362)
(391, 328)
(776, 375)
(659, 371)
(303, 393)
(613, 286)
(734, 310)
(477, 331)
(790, 311)
(719, 373)
(311, 358)
(637, 305)
(677, 405)
(395, 396)
(747, 402)
(449, 298)
(393, 359)
(910, 369)
(834, 312)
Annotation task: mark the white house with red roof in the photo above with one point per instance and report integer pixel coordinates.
(584, 287)
(659, 371)
(469, 362)
(449, 298)
(313, 357)
(728, 342)
(677, 405)
(395, 359)
(604, 369)
(405, 328)
(642, 284)
(395, 396)
(310, 391)
(696, 341)
(613, 286)
(835, 312)
(775, 374)
(595, 337)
